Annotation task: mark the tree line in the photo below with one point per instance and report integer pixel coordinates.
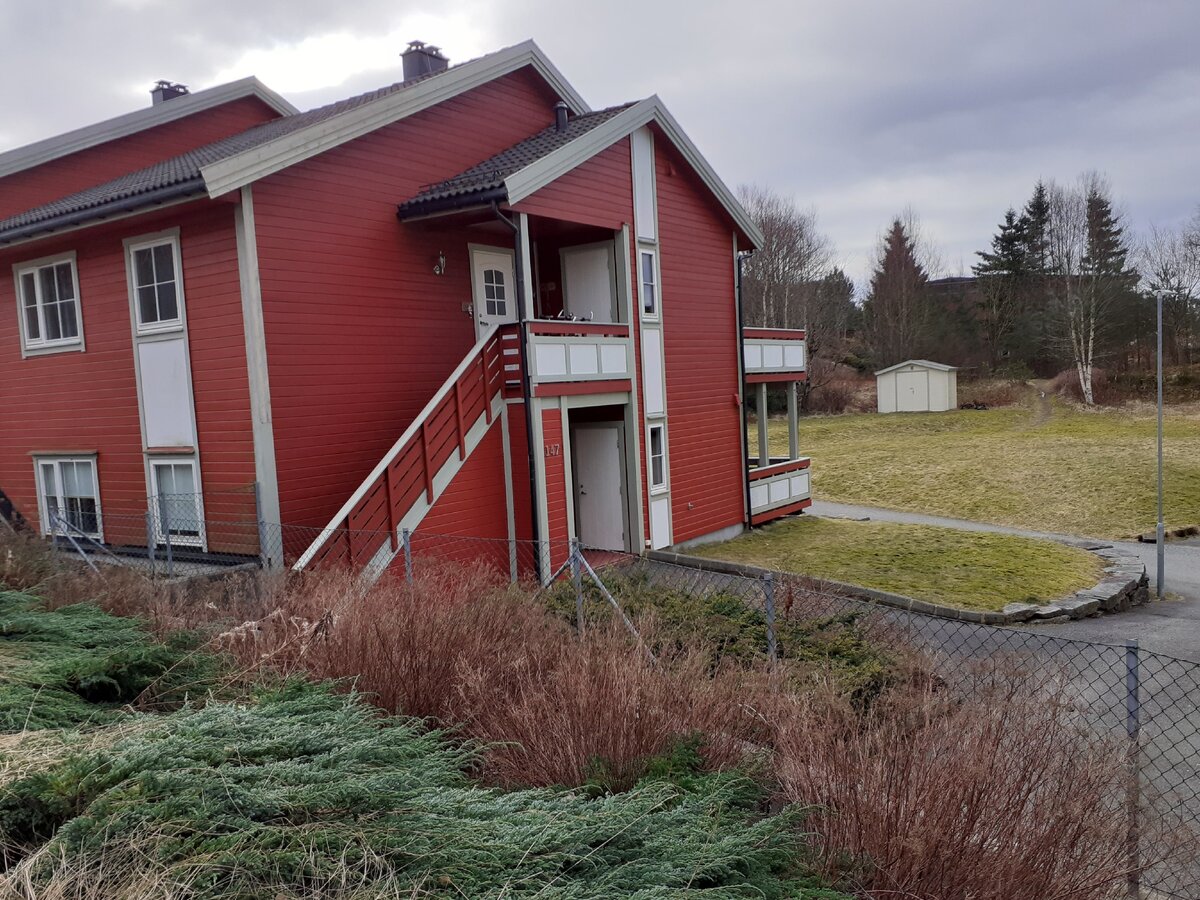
(1062, 285)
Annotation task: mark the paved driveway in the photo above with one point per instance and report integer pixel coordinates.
(1171, 627)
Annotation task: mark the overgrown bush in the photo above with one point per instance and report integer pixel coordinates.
(1004, 796)
(308, 794)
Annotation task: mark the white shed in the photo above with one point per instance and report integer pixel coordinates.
(917, 385)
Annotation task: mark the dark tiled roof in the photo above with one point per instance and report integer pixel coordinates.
(183, 171)
(491, 173)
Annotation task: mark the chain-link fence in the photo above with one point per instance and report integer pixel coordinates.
(1147, 700)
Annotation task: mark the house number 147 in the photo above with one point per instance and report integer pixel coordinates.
(554, 449)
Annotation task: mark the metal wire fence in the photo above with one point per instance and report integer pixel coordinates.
(1148, 700)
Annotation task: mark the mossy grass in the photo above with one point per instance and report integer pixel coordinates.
(1045, 465)
(314, 793)
(965, 569)
(78, 665)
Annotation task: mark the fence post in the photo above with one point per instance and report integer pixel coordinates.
(1133, 785)
(577, 581)
(150, 540)
(165, 509)
(769, 597)
(406, 542)
(264, 556)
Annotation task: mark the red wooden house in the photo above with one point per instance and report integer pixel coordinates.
(463, 304)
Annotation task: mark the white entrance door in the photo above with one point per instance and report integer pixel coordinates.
(599, 486)
(179, 519)
(589, 282)
(912, 392)
(493, 288)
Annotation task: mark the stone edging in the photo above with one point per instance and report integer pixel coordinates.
(1124, 584)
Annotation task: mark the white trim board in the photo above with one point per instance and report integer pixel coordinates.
(44, 151)
(537, 175)
(236, 171)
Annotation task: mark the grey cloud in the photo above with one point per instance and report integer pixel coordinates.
(857, 107)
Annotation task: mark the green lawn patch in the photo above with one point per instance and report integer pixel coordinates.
(966, 569)
(1044, 465)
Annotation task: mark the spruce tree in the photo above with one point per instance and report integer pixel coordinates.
(897, 312)
(1000, 287)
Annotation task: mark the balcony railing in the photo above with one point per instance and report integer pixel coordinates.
(779, 489)
(774, 354)
(565, 352)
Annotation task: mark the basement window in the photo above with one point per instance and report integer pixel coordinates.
(68, 495)
(48, 297)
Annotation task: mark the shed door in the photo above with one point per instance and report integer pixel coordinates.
(912, 391)
(493, 288)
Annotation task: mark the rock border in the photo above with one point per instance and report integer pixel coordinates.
(1125, 584)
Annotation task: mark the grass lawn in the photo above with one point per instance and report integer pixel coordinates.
(967, 569)
(1044, 465)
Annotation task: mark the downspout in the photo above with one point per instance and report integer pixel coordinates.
(526, 384)
(742, 256)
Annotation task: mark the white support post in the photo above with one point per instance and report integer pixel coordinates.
(793, 414)
(764, 449)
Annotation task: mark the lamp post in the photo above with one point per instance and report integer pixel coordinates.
(1159, 534)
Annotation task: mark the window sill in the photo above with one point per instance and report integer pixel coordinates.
(170, 451)
(148, 331)
(51, 349)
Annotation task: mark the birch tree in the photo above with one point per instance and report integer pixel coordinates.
(1089, 277)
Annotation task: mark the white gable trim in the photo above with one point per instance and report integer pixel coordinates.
(236, 171)
(131, 123)
(920, 364)
(536, 176)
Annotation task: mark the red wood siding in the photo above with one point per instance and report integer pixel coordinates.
(557, 507)
(469, 521)
(699, 324)
(88, 401)
(360, 332)
(599, 192)
(96, 165)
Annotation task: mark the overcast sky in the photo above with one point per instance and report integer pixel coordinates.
(857, 108)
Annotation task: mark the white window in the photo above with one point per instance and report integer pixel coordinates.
(48, 297)
(69, 498)
(176, 505)
(495, 293)
(648, 270)
(157, 287)
(658, 458)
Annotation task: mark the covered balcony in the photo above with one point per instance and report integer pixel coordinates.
(777, 485)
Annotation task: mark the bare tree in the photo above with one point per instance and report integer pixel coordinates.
(1169, 260)
(778, 280)
(1087, 254)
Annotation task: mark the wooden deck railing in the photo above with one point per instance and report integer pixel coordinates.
(373, 514)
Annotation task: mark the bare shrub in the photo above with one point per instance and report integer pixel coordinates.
(1105, 391)
(991, 391)
(1002, 797)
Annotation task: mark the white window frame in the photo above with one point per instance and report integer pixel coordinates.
(655, 314)
(147, 242)
(161, 535)
(40, 346)
(56, 460)
(665, 485)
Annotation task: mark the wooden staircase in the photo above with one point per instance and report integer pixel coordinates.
(365, 533)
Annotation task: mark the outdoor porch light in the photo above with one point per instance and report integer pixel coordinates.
(440, 267)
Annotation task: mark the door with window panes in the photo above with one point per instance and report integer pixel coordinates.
(493, 288)
(179, 518)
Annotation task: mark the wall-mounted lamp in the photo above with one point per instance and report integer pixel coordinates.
(440, 268)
